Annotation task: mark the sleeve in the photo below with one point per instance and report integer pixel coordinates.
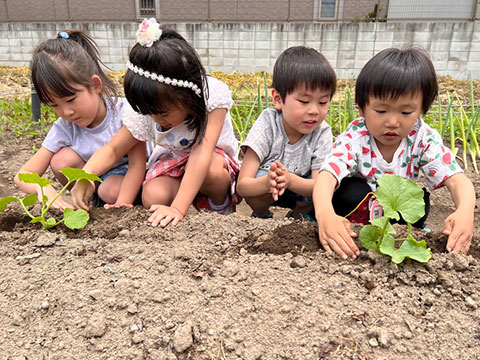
(323, 146)
(260, 137)
(141, 126)
(342, 162)
(219, 95)
(59, 135)
(437, 161)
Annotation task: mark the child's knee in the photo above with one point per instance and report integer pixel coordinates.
(109, 189)
(155, 195)
(64, 158)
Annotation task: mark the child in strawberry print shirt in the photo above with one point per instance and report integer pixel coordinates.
(392, 91)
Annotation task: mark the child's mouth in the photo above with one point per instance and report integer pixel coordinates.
(390, 136)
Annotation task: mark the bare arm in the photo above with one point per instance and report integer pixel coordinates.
(334, 231)
(248, 185)
(459, 224)
(132, 182)
(198, 162)
(194, 176)
(100, 162)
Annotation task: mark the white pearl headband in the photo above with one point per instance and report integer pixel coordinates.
(164, 80)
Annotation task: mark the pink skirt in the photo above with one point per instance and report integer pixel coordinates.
(176, 168)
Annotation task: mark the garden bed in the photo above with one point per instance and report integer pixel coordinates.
(224, 287)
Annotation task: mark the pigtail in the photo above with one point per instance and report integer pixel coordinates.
(86, 42)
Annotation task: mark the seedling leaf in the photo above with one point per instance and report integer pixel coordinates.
(410, 248)
(30, 200)
(369, 236)
(75, 219)
(7, 200)
(34, 179)
(73, 174)
(51, 222)
(383, 223)
(396, 194)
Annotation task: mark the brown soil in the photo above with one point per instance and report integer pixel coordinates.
(224, 287)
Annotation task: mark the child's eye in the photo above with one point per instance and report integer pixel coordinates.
(303, 101)
(323, 103)
(381, 111)
(71, 100)
(407, 112)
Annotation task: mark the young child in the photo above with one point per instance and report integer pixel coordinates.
(286, 146)
(392, 91)
(187, 115)
(67, 76)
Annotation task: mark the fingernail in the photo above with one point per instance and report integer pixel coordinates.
(449, 249)
(345, 257)
(357, 253)
(354, 256)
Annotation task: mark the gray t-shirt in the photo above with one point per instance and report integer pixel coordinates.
(268, 139)
(83, 140)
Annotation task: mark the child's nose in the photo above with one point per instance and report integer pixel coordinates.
(314, 108)
(393, 121)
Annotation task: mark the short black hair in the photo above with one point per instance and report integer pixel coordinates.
(302, 66)
(395, 72)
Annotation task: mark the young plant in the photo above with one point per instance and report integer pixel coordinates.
(403, 197)
(73, 219)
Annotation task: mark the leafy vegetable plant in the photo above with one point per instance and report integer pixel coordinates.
(73, 219)
(396, 195)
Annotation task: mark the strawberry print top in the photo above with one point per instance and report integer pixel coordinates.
(355, 153)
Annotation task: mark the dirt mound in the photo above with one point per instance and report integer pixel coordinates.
(224, 287)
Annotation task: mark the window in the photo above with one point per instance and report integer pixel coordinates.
(327, 9)
(147, 8)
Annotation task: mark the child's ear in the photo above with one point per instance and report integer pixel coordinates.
(277, 99)
(97, 84)
(360, 111)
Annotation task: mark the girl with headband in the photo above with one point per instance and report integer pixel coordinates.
(186, 114)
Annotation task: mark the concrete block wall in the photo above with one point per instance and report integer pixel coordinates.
(248, 47)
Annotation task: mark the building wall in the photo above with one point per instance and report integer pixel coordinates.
(182, 10)
(248, 47)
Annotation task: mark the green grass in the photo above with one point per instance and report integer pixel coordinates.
(16, 118)
(456, 120)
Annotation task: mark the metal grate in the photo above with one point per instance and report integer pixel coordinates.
(147, 7)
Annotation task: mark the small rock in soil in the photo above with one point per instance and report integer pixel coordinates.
(183, 337)
(96, 326)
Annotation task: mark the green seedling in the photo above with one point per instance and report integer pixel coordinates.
(403, 197)
(73, 219)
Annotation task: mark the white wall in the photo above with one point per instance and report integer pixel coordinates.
(248, 47)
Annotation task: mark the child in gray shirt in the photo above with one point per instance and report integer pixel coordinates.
(286, 146)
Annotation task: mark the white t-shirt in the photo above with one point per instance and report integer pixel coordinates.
(176, 141)
(83, 140)
(268, 139)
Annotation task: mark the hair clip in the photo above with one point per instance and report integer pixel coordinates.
(63, 35)
(164, 80)
(148, 32)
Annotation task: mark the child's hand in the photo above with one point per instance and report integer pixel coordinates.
(279, 179)
(164, 215)
(117, 205)
(50, 193)
(81, 193)
(336, 234)
(459, 229)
